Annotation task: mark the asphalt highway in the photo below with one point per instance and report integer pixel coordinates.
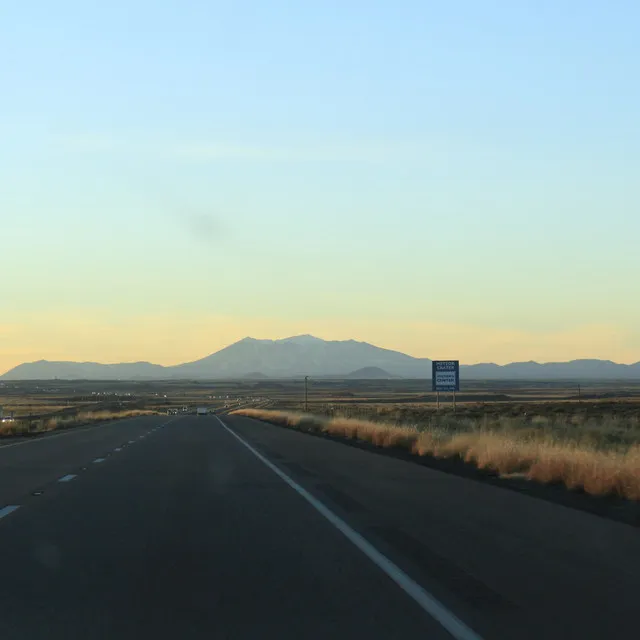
(194, 527)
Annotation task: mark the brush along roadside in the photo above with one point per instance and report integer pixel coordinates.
(21, 427)
(543, 460)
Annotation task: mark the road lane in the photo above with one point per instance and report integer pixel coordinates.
(418, 594)
(35, 463)
(186, 534)
(510, 565)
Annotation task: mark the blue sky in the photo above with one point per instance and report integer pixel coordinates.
(449, 179)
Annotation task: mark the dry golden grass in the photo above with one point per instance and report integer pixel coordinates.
(603, 425)
(538, 457)
(18, 427)
(33, 407)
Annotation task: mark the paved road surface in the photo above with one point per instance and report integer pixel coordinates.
(185, 532)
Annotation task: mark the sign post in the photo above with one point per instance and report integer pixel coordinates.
(445, 376)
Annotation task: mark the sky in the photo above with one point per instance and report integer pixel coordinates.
(452, 180)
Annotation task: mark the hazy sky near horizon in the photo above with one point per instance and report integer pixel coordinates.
(455, 180)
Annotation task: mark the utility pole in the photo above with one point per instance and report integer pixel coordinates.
(306, 393)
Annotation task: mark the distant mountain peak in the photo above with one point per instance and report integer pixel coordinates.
(301, 339)
(249, 339)
(305, 338)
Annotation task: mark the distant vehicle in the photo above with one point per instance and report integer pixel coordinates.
(202, 411)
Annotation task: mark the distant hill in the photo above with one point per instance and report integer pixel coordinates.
(369, 373)
(307, 355)
(302, 355)
(48, 370)
(575, 369)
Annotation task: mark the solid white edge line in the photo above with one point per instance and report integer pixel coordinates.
(67, 478)
(423, 598)
(9, 509)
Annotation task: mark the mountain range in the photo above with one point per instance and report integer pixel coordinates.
(308, 355)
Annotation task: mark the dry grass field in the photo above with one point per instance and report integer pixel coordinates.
(22, 427)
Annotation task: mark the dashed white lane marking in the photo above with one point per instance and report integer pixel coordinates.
(67, 478)
(140, 437)
(131, 441)
(421, 596)
(5, 511)
(98, 460)
(118, 449)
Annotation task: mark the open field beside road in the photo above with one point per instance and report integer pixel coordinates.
(48, 398)
(604, 425)
(596, 415)
(19, 427)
